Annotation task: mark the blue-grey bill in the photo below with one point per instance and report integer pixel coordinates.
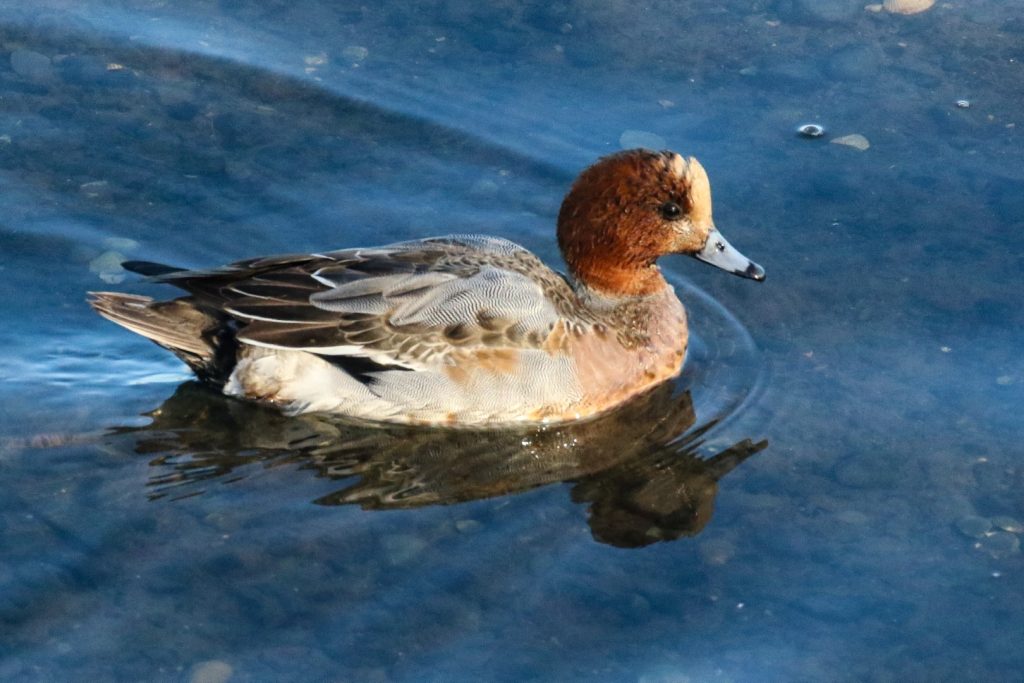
(718, 252)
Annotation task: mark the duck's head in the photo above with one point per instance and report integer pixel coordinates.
(631, 208)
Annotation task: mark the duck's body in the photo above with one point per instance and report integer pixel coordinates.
(459, 329)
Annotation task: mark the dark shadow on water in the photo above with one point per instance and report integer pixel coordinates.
(637, 468)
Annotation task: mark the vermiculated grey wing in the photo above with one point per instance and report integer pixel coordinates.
(408, 304)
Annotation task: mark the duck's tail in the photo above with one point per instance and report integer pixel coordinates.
(202, 340)
(150, 269)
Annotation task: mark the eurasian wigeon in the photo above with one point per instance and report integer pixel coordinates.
(462, 329)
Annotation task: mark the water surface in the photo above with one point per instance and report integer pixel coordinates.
(832, 490)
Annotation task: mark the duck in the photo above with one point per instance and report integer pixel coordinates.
(459, 329)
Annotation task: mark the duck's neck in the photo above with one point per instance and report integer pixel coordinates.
(639, 319)
(618, 281)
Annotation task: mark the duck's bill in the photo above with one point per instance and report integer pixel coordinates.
(718, 252)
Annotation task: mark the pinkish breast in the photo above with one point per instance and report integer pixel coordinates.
(611, 369)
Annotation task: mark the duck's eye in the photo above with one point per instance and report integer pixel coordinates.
(671, 211)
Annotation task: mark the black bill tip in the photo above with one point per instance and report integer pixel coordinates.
(754, 272)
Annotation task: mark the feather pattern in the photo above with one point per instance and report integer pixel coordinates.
(462, 291)
(446, 293)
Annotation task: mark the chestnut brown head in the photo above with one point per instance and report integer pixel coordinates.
(631, 208)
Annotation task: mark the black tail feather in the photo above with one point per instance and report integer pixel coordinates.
(150, 269)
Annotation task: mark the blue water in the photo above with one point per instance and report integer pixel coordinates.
(832, 491)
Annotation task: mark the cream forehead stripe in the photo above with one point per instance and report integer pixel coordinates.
(677, 165)
(696, 178)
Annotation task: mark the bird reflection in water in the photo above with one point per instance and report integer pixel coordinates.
(637, 467)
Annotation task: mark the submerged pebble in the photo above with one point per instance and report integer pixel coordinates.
(31, 65)
(999, 544)
(120, 243)
(856, 140)
(907, 6)
(632, 139)
(484, 186)
(108, 266)
(95, 188)
(716, 552)
(1008, 524)
(973, 526)
(213, 671)
(467, 526)
(89, 70)
(855, 517)
(355, 53)
(810, 130)
(402, 548)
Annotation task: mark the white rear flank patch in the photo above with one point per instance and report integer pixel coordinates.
(348, 350)
(300, 382)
